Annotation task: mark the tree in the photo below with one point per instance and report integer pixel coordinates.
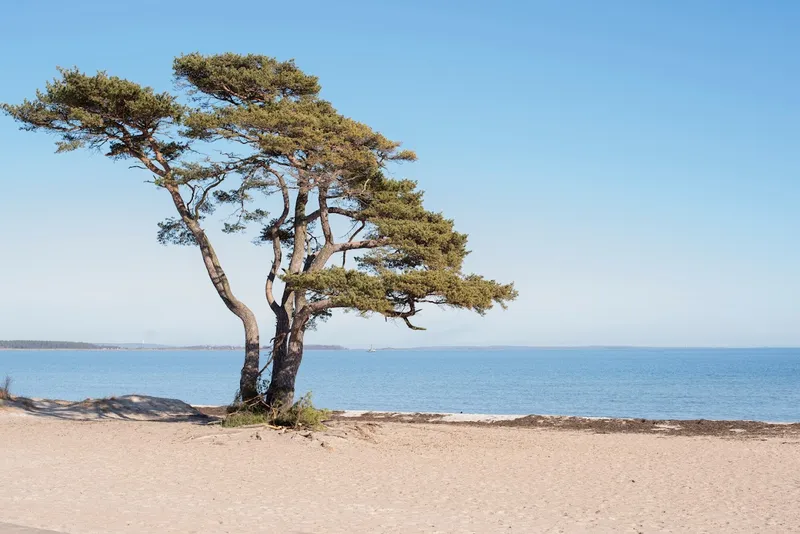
(275, 136)
(132, 122)
(329, 171)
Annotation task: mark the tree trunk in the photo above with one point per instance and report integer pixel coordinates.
(286, 363)
(292, 317)
(248, 381)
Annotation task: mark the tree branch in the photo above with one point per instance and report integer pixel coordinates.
(323, 216)
(210, 259)
(325, 254)
(411, 326)
(352, 237)
(314, 215)
(299, 249)
(194, 193)
(277, 254)
(405, 315)
(165, 170)
(204, 197)
(365, 244)
(319, 306)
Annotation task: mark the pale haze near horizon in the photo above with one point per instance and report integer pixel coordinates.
(633, 169)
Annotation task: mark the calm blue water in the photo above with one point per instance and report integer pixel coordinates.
(761, 384)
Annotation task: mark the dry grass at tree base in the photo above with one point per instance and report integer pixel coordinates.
(302, 414)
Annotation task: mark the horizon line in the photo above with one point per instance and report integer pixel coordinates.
(423, 347)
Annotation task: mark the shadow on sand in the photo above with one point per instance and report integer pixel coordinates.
(126, 408)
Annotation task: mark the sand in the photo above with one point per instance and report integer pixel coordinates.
(107, 475)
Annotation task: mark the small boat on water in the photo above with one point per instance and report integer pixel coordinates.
(372, 349)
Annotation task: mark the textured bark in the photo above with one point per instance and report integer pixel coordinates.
(285, 364)
(292, 318)
(280, 346)
(248, 380)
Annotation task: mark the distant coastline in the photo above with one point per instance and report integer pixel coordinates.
(9, 345)
(79, 345)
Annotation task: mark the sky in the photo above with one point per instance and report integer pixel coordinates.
(634, 167)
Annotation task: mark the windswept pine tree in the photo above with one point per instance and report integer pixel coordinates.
(290, 163)
(328, 171)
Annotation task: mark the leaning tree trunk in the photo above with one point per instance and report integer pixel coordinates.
(286, 363)
(248, 381)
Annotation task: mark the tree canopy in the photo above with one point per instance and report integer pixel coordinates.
(267, 134)
(296, 143)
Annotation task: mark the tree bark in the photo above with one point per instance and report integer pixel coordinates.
(286, 362)
(248, 380)
(292, 319)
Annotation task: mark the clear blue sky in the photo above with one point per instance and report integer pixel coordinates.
(633, 166)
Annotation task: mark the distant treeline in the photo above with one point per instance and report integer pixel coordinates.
(265, 347)
(37, 344)
(78, 345)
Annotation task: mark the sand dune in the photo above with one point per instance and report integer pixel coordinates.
(116, 475)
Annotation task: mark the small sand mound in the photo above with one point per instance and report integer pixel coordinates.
(130, 407)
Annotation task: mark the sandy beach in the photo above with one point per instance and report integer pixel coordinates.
(104, 476)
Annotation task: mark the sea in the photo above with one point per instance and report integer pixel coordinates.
(652, 383)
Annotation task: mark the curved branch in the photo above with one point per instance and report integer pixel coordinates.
(204, 196)
(319, 306)
(323, 217)
(194, 194)
(365, 244)
(405, 315)
(277, 254)
(352, 237)
(411, 326)
(327, 251)
(314, 215)
(165, 171)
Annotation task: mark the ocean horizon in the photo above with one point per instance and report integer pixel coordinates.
(641, 382)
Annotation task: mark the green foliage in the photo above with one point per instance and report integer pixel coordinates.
(244, 79)
(172, 231)
(302, 414)
(275, 109)
(414, 257)
(406, 254)
(417, 237)
(244, 418)
(101, 110)
(131, 122)
(309, 131)
(394, 294)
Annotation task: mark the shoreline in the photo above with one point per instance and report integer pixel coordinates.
(617, 425)
(597, 424)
